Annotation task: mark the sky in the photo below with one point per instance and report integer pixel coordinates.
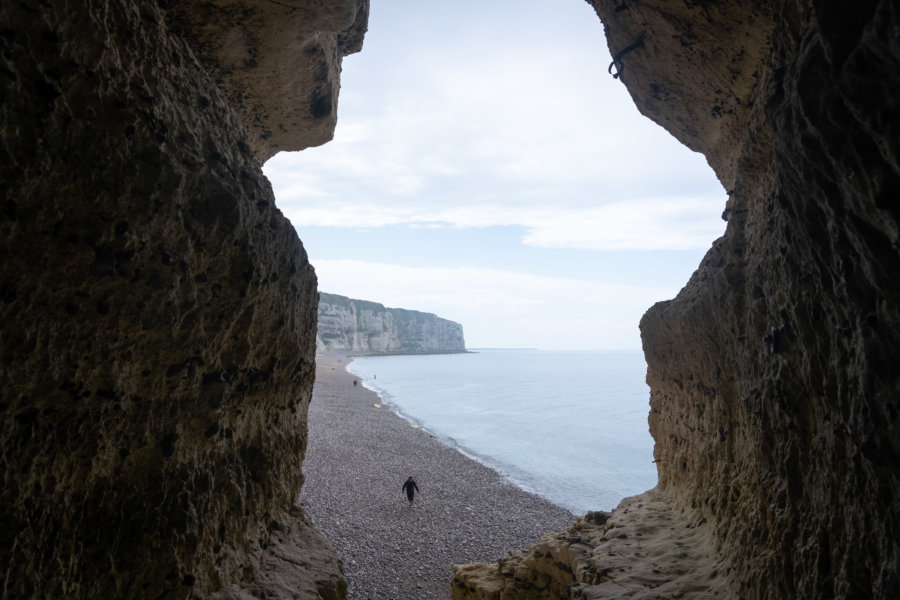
(486, 168)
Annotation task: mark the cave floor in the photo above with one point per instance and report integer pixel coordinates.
(646, 549)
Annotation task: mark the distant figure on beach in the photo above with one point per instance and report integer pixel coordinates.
(410, 487)
(354, 382)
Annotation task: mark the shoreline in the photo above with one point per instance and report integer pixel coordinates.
(351, 355)
(357, 459)
(448, 441)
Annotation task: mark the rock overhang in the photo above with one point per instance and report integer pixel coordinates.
(279, 63)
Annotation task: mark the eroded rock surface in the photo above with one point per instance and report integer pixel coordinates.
(158, 312)
(775, 393)
(158, 318)
(646, 550)
(278, 62)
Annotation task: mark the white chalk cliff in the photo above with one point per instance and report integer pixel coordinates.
(362, 327)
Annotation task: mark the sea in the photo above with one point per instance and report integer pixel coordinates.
(568, 426)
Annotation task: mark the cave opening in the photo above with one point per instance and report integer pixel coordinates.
(159, 312)
(511, 186)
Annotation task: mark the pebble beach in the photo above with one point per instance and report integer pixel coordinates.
(358, 456)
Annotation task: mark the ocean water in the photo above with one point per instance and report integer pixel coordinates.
(569, 426)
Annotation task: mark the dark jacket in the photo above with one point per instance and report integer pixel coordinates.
(408, 486)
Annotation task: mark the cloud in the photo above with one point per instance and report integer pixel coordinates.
(645, 224)
(593, 186)
(641, 224)
(510, 139)
(508, 120)
(521, 309)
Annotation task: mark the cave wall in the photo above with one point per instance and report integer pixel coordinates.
(158, 314)
(773, 373)
(774, 388)
(279, 63)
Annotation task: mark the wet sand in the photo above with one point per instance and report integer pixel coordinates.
(356, 462)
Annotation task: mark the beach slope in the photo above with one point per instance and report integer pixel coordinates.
(358, 457)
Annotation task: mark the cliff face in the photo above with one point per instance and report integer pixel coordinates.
(361, 327)
(774, 388)
(158, 321)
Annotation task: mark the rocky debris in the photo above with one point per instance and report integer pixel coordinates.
(298, 567)
(363, 327)
(645, 550)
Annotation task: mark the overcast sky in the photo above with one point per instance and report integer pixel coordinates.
(488, 169)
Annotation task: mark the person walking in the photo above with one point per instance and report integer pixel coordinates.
(410, 487)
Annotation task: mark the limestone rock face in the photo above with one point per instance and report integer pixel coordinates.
(695, 68)
(158, 323)
(362, 327)
(775, 399)
(775, 396)
(278, 62)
